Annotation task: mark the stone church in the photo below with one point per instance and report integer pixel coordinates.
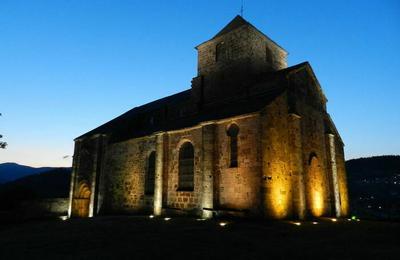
(251, 137)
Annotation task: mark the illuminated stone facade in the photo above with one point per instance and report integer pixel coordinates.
(252, 137)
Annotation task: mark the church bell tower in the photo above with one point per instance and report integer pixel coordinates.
(238, 52)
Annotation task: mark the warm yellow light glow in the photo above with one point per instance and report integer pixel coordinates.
(151, 216)
(315, 223)
(279, 201)
(297, 223)
(318, 204)
(166, 219)
(333, 219)
(223, 224)
(316, 188)
(201, 219)
(63, 218)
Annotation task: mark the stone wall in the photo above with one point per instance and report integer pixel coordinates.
(246, 50)
(83, 175)
(276, 187)
(44, 208)
(342, 179)
(234, 188)
(266, 180)
(124, 176)
(317, 179)
(183, 200)
(238, 188)
(279, 152)
(308, 102)
(242, 44)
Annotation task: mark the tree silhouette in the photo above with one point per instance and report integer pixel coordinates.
(2, 144)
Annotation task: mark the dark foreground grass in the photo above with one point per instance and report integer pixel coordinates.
(181, 238)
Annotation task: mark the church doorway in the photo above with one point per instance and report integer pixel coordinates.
(82, 201)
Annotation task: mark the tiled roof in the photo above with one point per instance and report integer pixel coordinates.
(180, 111)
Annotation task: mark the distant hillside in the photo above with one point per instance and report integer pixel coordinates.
(50, 184)
(13, 171)
(377, 166)
(374, 186)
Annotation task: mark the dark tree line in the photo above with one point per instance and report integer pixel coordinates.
(2, 144)
(371, 167)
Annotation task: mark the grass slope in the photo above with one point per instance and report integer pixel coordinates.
(184, 238)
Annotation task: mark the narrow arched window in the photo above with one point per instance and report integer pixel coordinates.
(186, 167)
(220, 52)
(233, 132)
(150, 174)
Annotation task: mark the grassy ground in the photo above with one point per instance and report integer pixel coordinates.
(125, 237)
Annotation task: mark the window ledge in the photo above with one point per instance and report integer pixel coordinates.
(185, 189)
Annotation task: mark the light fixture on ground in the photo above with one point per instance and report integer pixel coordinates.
(296, 223)
(223, 224)
(151, 216)
(333, 219)
(315, 223)
(166, 219)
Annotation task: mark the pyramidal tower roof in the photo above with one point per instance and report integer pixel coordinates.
(236, 23)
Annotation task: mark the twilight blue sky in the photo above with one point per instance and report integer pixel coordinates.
(67, 66)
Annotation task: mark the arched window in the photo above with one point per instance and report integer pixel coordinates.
(221, 53)
(150, 174)
(186, 167)
(233, 132)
